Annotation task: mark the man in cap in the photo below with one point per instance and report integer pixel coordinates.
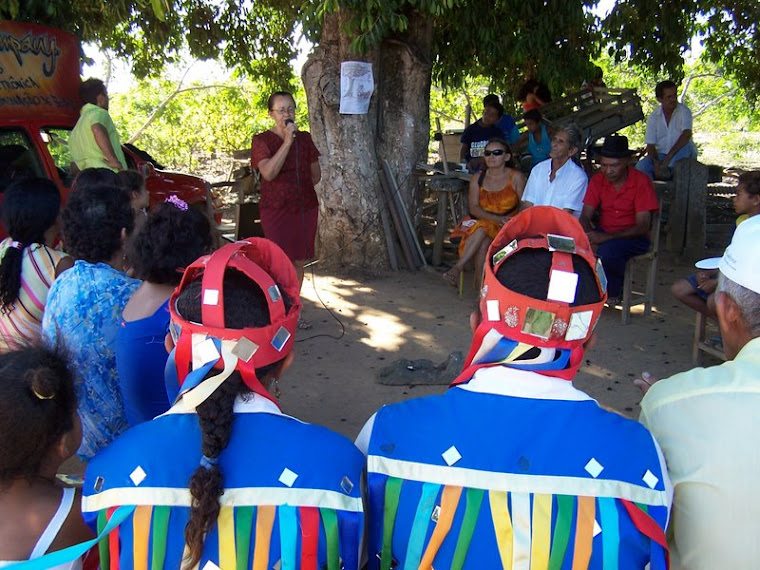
(624, 199)
(514, 467)
(706, 421)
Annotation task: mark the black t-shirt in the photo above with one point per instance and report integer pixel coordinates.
(476, 137)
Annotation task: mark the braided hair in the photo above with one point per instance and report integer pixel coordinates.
(244, 306)
(30, 208)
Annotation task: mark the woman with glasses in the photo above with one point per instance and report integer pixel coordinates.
(494, 198)
(289, 165)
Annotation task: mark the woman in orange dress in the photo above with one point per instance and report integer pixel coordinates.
(494, 198)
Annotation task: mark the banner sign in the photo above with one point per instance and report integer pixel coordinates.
(39, 71)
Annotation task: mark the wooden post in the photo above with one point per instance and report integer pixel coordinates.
(679, 204)
(696, 217)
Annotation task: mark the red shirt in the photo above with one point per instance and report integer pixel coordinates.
(618, 208)
(290, 190)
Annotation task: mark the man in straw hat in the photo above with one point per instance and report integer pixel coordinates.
(513, 466)
(624, 198)
(706, 421)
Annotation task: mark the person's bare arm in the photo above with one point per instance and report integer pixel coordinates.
(104, 144)
(651, 152)
(63, 264)
(681, 142)
(518, 183)
(316, 172)
(639, 229)
(463, 152)
(586, 214)
(270, 167)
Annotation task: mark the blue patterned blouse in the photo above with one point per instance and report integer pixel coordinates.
(84, 312)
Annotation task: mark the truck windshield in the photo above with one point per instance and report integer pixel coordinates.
(57, 140)
(18, 157)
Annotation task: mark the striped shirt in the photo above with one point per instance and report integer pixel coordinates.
(22, 324)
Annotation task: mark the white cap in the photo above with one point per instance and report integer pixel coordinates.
(741, 261)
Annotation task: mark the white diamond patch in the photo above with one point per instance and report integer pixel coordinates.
(451, 456)
(594, 468)
(650, 479)
(138, 475)
(210, 566)
(597, 528)
(287, 477)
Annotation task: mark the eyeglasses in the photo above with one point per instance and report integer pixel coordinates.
(288, 111)
(497, 152)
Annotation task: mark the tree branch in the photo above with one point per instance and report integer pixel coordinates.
(157, 112)
(715, 101)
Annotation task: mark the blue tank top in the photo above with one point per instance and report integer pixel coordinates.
(539, 151)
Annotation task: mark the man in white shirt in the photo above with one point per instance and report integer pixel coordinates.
(705, 419)
(668, 136)
(558, 181)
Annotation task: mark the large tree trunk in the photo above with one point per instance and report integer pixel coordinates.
(396, 129)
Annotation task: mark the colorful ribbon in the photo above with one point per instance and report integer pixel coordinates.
(420, 525)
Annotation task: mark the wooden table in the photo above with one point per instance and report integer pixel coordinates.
(445, 185)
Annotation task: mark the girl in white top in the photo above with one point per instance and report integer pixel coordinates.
(39, 430)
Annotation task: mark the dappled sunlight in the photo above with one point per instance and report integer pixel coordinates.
(384, 331)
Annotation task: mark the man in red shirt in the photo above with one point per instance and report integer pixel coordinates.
(625, 199)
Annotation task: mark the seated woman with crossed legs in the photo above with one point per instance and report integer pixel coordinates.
(494, 198)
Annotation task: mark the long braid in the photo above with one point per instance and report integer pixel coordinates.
(245, 305)
(207, 482)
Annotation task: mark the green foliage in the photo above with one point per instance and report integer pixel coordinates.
(197, 123)
(256, 37)
(655, 34)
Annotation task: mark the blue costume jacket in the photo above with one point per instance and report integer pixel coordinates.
(477, 479)
(291, 493)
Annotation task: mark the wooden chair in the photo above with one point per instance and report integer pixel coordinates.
(248, 221)
(650, 258)
(701, 343)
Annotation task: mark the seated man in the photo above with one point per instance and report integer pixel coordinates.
(558, 181)
(668, 136)
(514, 467)
(625, 200)
(94, 142)
(706, 421)
(475, 137)
(506, 122)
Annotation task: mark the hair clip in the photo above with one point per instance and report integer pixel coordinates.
(42, 396)
(178, 203)
(17, 245)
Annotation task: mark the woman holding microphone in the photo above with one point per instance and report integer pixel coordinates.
(289, 165)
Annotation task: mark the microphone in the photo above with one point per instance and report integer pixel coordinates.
(290, 122)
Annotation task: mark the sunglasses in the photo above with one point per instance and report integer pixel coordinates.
(497, 152)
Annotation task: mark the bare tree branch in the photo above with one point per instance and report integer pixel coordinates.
(160, 109)
(718, 99)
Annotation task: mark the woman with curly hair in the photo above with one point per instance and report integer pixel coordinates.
(224, 479)
(85, 303)
(173, 236)
(28, 262)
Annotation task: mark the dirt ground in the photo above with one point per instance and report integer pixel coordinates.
(414, 315)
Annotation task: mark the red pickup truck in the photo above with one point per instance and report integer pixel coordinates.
(39, 106)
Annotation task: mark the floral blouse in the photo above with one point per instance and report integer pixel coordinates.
(83, 313)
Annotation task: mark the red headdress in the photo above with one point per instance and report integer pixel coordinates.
(209, 344)
(513, 323)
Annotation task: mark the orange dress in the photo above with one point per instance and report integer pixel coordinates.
(499, 202)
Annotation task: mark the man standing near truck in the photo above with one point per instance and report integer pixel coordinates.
(94, 142)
